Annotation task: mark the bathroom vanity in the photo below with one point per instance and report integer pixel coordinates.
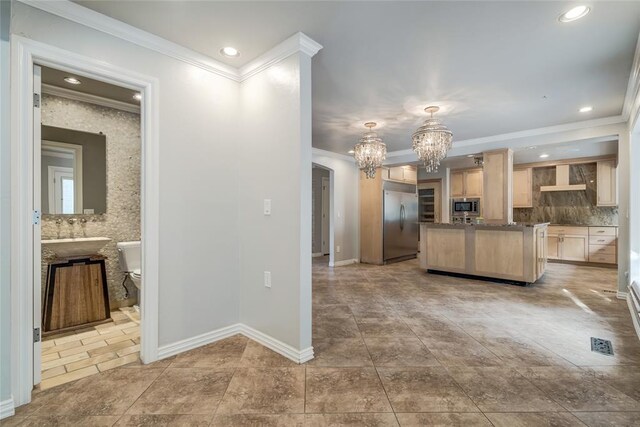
(76, 292)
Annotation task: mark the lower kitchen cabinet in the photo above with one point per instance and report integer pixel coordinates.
(582, 244)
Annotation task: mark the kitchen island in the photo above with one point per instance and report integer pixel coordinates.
(516, 253)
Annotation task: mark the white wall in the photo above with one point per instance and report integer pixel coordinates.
(199, 286)
(275, 154)
(5, 206)
(345, 221)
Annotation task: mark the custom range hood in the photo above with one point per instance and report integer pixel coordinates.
(562, 181)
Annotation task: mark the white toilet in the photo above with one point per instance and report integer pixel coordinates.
(130, 260)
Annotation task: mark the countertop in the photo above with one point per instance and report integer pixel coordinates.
(582, 225)
(511, 226)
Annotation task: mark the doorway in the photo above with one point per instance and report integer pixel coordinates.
(27, 221)
(321, 214)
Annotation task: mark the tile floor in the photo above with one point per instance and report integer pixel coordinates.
(394, 346)
(70, 356)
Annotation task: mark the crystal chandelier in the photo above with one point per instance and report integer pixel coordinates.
(432, 141)
(370, 152)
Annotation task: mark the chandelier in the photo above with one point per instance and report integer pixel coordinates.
(370, 152)
(432, 141)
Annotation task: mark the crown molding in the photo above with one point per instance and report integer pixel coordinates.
(91, 99)
(66, 9)
(299, 42)
(526, 133)
(92, 19)
(325, 153)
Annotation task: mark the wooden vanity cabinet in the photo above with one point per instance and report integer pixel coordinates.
(76, 294)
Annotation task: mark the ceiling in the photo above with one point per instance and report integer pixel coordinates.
(493, 67)
(89, 86)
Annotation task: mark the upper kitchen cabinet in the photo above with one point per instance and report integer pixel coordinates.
(607, 183)
(466, 183)
(523, 188)
(407, 174)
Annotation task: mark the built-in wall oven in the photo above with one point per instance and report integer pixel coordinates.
(464, 210)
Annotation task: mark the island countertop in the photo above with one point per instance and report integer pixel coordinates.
(514, 252)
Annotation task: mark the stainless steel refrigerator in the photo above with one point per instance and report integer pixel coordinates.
(400, 233)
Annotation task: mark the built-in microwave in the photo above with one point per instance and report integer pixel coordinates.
(465, 207)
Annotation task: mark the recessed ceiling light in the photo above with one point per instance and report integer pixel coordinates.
(533, 147)
(137, 96)
(586, 109)
(544, 156)
(575, 13)
(229, 52)
(72, 80)
(351, 151)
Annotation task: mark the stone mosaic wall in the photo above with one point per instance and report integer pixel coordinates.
(122, 220)
(567, 207)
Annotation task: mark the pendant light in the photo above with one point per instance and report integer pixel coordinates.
(370, 152)
(432, 141)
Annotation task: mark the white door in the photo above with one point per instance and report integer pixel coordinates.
(37, 232)
(325, 216)
(61, 190)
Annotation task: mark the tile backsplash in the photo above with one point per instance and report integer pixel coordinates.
(567, 207)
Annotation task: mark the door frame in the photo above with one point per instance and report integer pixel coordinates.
(325, 221)
(24, 54)
(76, 151)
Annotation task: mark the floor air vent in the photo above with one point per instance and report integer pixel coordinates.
(601, 346)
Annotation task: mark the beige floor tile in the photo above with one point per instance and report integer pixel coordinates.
(68, 377)
(121, 361)
(69, 420)
(90, 361)
(49, 373)
(164, 420)
(64, 360)
(103, 337)
(262, 420)
(340, 352)
(111, 348)
(123, 337)
(368, 420)
(49, 357)
(128, 350)
(76, 337)
(534, 419)
(83, 348)
(65, 346)
(607, 419)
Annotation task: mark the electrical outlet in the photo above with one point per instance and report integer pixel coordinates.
(267, 279)
(267, 206)
(338, 249)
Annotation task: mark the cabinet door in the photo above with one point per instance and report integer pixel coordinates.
(396, 174)
(607, 177)
(457, 184)
(522, 188)
(553, 247)
(575, 248)
(410, 174)
(473, 184)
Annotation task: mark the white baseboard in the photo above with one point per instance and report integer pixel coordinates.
(316, 254)
(7, 408)
(345, 262)
(635, 316)
(198, 341)
(219, 334)
(622, 295)
(298, 356)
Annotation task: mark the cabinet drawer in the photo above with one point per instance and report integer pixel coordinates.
(568, 231)
(602, 231)
(602, 240)
(602, 250)
(604, 258)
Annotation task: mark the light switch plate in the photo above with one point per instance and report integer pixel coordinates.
(267, 206)
(338, 249)
(267, 279)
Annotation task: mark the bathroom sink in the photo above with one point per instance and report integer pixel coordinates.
(76, 246)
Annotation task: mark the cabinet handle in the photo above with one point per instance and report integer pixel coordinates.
(600, 231)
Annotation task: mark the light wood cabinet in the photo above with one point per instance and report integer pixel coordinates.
(407, 174)
(523, 188)
(582, 244)
(466, 183)
(498, 187)
(607, 178)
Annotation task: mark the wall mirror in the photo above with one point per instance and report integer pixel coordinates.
(73, 172)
